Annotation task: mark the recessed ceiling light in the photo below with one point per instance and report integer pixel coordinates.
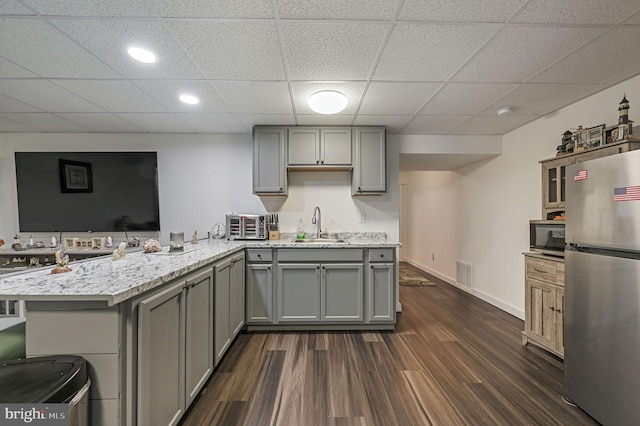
(141, 55)
(327, 102)
(504, 110)
(189, 99)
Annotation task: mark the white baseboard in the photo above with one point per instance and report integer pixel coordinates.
(512, 310)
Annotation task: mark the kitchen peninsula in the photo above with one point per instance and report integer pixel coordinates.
(153, 326)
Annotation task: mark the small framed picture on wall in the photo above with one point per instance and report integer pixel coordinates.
(75, 176)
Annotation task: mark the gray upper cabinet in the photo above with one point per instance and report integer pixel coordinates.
(269, 168)
(278, 149)
(326, 146)
(369, 161)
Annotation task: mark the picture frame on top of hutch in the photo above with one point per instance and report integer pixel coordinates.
(595, 136)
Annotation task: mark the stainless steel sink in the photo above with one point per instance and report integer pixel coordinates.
(320, 240)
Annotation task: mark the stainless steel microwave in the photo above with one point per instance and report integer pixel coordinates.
(547, 236)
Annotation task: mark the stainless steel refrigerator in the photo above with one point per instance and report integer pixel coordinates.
(602, 288)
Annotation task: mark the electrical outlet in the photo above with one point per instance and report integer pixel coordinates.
(362, 218)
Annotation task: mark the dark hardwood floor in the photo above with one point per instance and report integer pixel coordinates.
(452, 360)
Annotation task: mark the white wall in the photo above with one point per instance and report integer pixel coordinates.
(204, 177)
(485, 207)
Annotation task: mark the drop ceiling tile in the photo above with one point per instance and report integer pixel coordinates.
(494, 125)
(11, 105)
(396, 98)
(338, 9)
(459, 10)
(110, 39)
(517, 53)
(10, 126)
(256, 96)
(12, 7)
(214, 8)
(233, 50)
(303, 89)
(393, 123)
(157, 122)
(45, 95)
(250, 120)
(540, 98)
(113, 95)
(46, 122)
(167, 93)
(214, 123)
(41, 49)
(433, 124)
(466, 98)
(601, 61)
(421, 52)
(10, 70)
(91, 7)
(331, 51)
(324, 120)
(102, 122)
(576, 11)
(634, 20)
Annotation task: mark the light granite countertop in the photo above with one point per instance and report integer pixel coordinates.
(115, 282)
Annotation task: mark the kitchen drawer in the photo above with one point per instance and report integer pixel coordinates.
(381, 255)
(545, 270)
(320, 255)
(259, 255)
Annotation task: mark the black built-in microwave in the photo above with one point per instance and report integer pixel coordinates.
(547, 236)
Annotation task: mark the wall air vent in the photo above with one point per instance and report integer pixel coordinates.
(464, 274)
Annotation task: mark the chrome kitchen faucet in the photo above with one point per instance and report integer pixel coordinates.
(318, 221)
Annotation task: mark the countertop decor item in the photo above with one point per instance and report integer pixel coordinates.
(219, 231)
(151, 246)
(176, 241)
(62, 262)
(121, 252)
(194, 237)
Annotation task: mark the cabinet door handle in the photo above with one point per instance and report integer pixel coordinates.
(552, 308)
(359, 190)
(268, 268)
(542, 271)
(382, 255)
(260, 256)
(322, 162)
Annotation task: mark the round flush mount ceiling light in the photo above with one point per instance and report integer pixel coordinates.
(327, 102)
(142, 55)
(189, 99)
(504, 110)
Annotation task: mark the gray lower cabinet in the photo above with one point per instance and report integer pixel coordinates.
(259, 286)
(381, 291)
(320, 292)
(298, 290)
(229, 303)
(175, 348)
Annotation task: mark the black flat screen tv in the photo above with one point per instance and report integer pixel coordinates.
(87, 191)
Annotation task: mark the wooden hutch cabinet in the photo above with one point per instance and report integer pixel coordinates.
(544, 302)
(554, 175)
